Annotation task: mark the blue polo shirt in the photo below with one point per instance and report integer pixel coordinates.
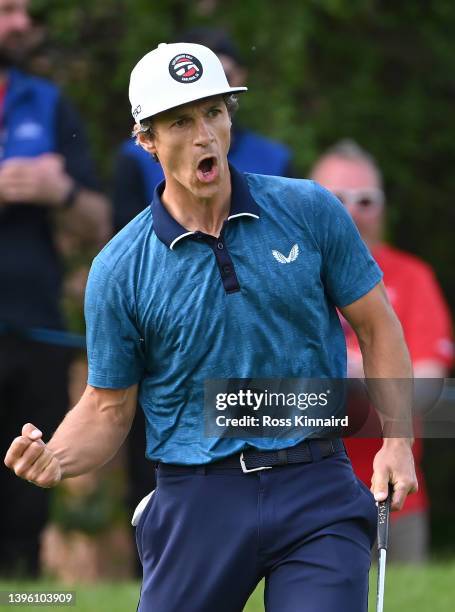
(169, 309)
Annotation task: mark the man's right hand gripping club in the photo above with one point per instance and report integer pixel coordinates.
(30, 458)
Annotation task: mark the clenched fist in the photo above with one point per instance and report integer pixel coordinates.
(30, 459)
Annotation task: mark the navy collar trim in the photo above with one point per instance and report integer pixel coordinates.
(169, 231)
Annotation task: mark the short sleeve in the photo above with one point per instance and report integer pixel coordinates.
(114, 343)
(348, 269)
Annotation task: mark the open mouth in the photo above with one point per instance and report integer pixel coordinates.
(207, 169)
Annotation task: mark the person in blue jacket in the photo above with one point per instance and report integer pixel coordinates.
(45, 173)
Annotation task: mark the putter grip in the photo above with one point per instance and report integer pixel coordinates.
(383, 521)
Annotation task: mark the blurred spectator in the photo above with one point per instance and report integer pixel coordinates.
(354, 177)
(45, 175)
(135, 178)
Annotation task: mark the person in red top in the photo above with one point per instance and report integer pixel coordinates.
(353, 176)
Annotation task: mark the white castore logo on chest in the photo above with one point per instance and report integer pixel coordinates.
(293, 254)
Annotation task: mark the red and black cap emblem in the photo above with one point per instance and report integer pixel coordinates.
(185, 68)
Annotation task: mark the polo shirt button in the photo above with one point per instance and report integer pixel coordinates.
(226, 270)
(220, 245)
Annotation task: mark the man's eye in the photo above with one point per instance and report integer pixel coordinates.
(213, 112)
(180, 123)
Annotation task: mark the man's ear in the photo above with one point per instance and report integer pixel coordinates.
(147, 143)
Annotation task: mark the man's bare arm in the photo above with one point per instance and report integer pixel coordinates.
(89, 435)
(385, 356)
(384, 351)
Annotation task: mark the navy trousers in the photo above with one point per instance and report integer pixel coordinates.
(208, 537)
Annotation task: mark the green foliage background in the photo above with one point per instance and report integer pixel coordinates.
(378, 71)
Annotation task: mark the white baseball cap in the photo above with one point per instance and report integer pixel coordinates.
(175, 74)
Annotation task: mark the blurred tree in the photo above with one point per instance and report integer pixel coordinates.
(375, 70)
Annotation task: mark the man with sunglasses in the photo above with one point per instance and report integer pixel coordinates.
(354, 177)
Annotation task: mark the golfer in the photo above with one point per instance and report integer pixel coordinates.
(228, 275)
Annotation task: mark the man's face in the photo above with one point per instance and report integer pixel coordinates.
(192, 143)
(356, 184)
(15, 25)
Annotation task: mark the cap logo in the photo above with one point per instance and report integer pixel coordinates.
(185, 68)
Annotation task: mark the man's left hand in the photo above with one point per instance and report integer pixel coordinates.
(394, 464)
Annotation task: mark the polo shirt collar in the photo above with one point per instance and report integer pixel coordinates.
(169, 231)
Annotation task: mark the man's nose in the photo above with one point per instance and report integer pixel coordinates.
(351, 208)
(355, 213)
(203, 133)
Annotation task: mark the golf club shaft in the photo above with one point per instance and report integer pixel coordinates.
(381, 580)
(383, 538)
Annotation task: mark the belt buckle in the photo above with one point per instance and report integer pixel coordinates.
(245, 470)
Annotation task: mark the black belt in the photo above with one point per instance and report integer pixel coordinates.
(253, 460)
